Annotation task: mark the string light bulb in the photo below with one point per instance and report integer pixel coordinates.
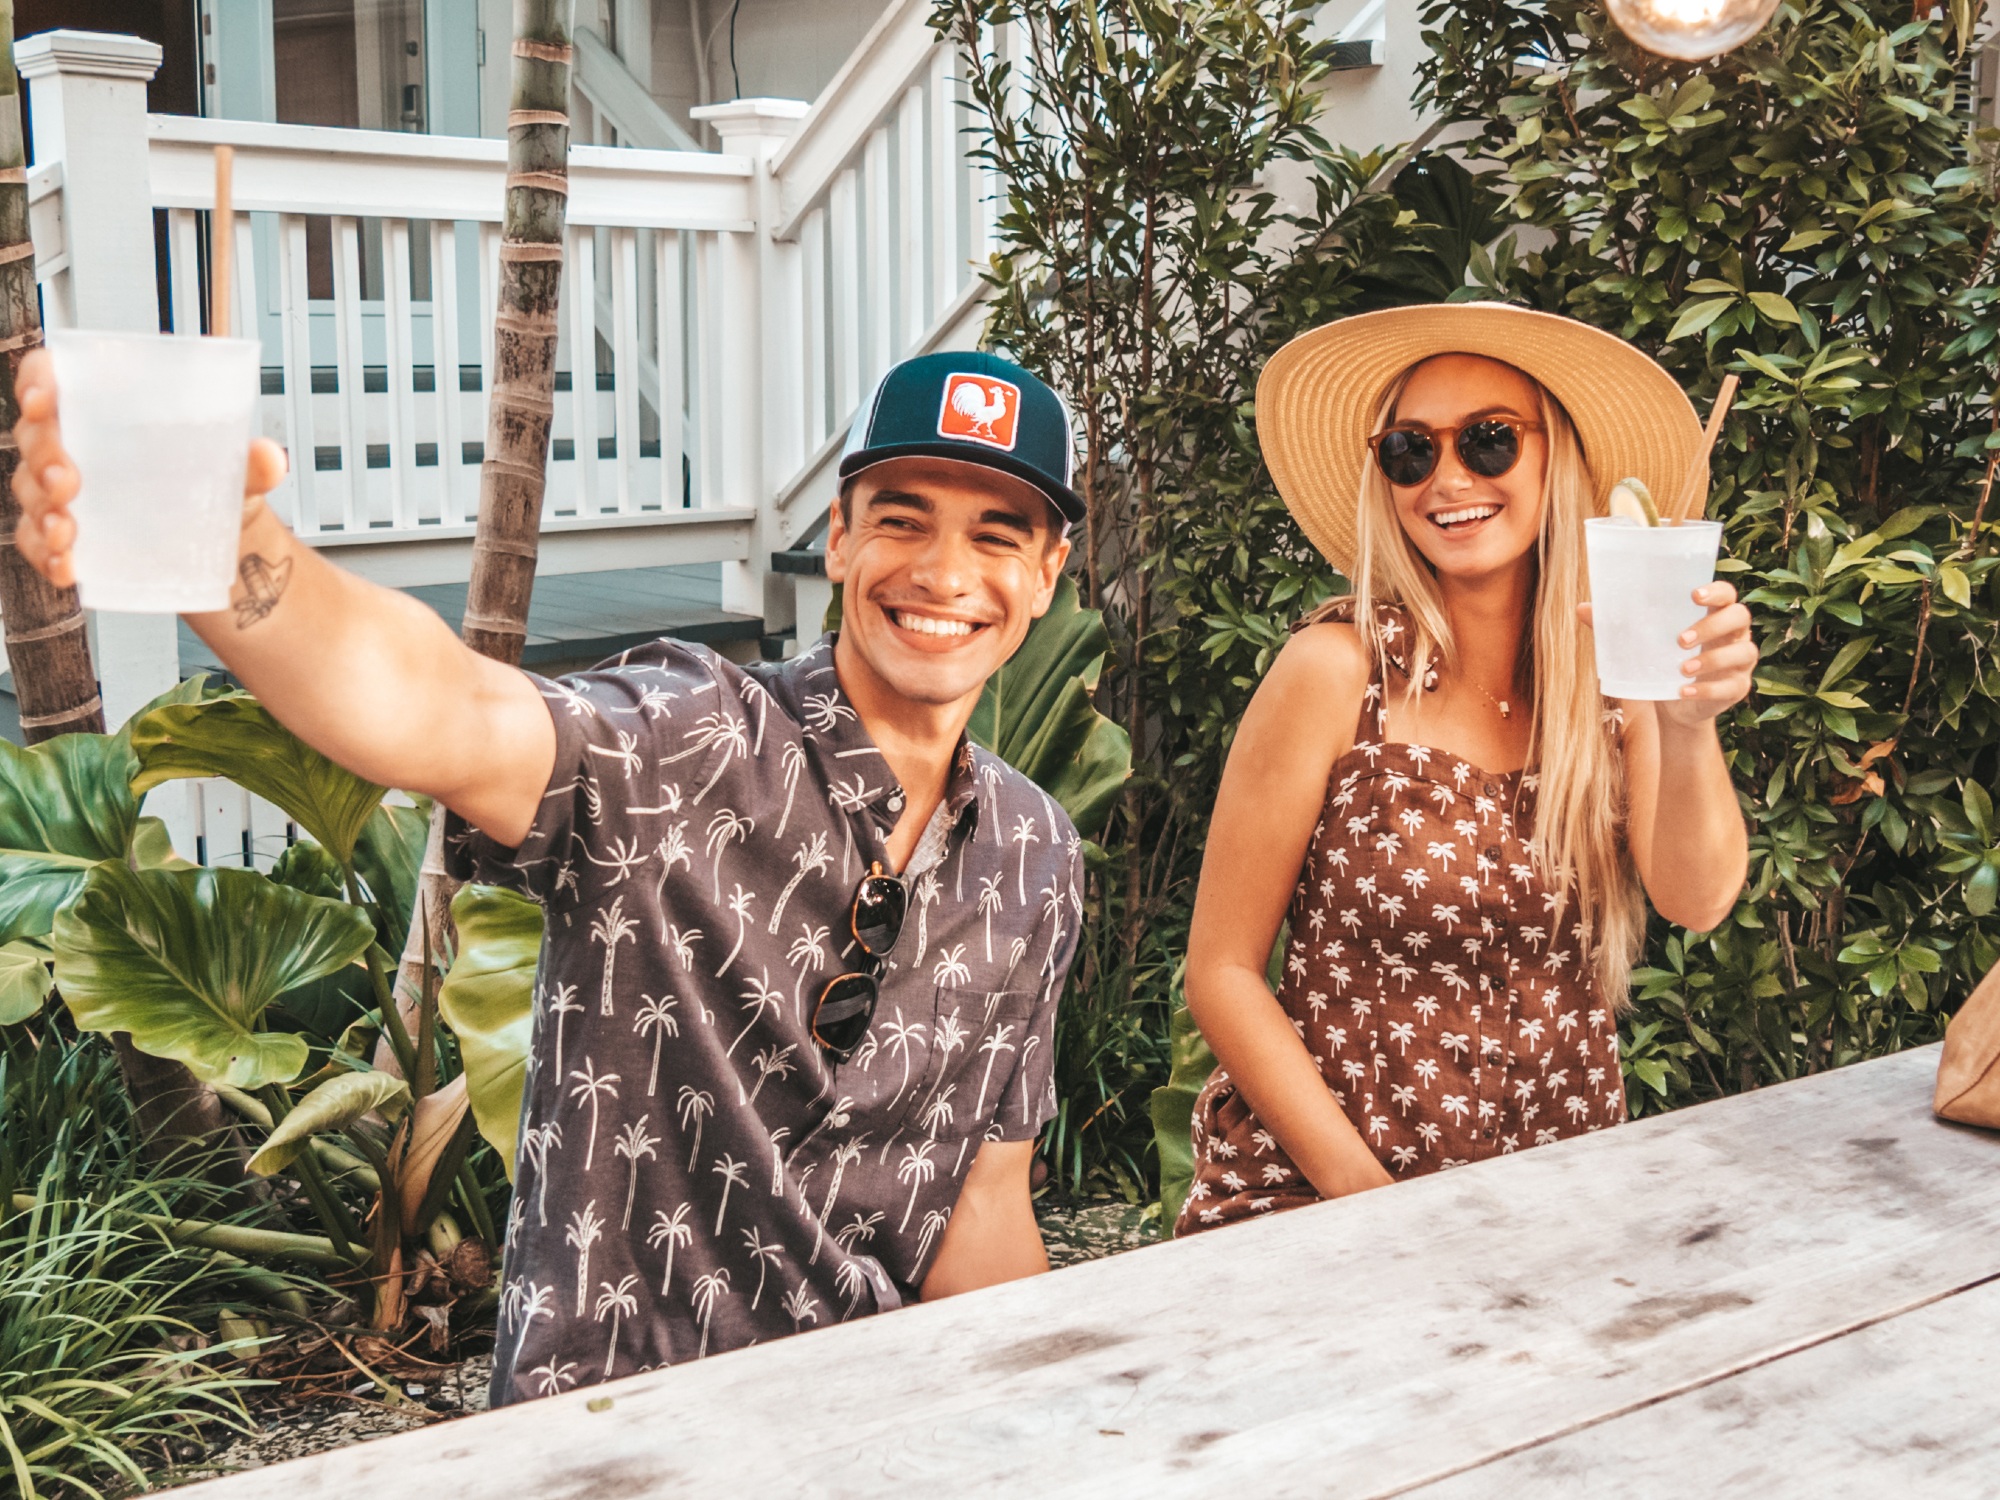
(1690, 30)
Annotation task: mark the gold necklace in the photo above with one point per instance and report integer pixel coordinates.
(1506, 708)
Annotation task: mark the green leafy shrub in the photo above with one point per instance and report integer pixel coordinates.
(271, 989)
(107, 1371)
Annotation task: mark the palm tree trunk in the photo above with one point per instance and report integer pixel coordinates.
(46, 646)
(521, 405)
(519, 409)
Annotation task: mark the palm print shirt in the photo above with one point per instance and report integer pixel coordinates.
(1426, 973)
(693, 1175)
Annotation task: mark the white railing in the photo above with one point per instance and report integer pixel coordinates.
(723, 313)
(376, 386)
(884, 220)
(617, 109)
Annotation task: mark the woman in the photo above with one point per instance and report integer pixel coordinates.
(1428, 783)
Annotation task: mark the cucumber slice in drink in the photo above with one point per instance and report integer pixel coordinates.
(1632, 501)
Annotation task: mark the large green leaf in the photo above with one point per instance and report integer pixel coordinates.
(25, 981)
(236, 737)
(325, 1007)
(488, 1001)
(188, 960)
(1036, 713)
(64, 805)
(1172, 1104)
(334, 1105)
(390, 857)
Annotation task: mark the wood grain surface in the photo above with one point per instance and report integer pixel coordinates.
(1905, 1407)
(1562, 1308)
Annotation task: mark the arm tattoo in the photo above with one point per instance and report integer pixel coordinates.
(263, 586)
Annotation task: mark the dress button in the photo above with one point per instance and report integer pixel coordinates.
(1493, 852)
(1492, 788)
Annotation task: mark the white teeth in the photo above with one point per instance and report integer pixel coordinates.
(926, 625)
(1470, 513)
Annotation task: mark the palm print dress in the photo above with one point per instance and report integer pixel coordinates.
(1425, 973)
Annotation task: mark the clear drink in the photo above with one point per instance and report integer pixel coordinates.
(159, 428)
(1642, 583)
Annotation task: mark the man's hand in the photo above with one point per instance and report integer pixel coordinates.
(45, 481)
(992, 1236)
(369, 677)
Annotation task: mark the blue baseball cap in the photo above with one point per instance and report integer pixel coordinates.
(976, 408)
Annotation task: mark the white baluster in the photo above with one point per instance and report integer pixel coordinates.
(910, 217)
(844, 292)
(453, 488)
(812, 320)
(708, 392)
(878, 307)
(295, 323)
(625, 362)
(580, 271)
(347, 367)
(398, 326)
(184, 268)
(673, 368)
(947, 150)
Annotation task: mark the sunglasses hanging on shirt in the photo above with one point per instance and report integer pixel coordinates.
(846, 1005)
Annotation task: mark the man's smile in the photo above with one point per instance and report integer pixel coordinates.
(932, 629)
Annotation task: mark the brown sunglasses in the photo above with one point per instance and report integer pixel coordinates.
(846, 1004)
(1407, 453)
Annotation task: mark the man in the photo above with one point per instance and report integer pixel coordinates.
(794, 1017)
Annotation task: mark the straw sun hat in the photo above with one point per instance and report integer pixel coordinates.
(1316, 403)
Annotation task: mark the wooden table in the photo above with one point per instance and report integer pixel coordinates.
(1794, 1292)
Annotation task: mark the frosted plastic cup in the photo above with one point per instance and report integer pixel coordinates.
(159, 428)
(1642, 583)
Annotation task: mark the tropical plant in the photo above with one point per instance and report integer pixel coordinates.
(269, 989)
(109, 1319)
(1036, 713)
(1816, 214)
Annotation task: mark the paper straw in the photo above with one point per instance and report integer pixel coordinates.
(1695, 486)
(222, 236)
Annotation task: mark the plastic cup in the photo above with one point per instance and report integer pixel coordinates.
(159, 428)
(1642, 583)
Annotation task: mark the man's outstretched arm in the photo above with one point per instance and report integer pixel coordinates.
(367, 676)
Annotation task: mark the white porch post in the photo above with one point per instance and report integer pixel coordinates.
(759, 388)
(87, 94)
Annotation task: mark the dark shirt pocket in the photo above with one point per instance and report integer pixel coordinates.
(974, 1046)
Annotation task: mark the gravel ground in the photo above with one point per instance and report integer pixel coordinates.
(1073, 1234)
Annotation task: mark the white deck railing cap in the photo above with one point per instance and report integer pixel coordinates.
(100, 54)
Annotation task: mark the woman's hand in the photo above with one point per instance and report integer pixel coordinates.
(1725, 662)
(1721, 671)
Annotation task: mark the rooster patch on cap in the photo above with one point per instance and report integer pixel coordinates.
(980, 409)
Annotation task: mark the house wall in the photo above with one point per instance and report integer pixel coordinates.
(785, 49)
(1369, 107)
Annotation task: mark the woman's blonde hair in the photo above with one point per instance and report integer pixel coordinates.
(1578, 837)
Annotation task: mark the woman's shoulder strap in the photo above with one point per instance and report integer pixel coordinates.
(1389, 637)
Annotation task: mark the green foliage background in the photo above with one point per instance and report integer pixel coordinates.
(1815, 213)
